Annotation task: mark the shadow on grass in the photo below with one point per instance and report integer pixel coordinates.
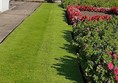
(65, 18)
(60, 5)
(64, 15)
(67, 67)
(68, 47)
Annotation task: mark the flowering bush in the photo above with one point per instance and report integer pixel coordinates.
(75, 15)
(113, 10)
(97, 49)
(92, 8)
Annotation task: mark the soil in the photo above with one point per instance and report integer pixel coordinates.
(92, 13)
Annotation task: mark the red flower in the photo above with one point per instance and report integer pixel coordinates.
(116, 71)
(113, 10)
(114, 56)
(74, 12)
(110, 66)
(116, 78)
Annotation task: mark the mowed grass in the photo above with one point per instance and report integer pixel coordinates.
(39, 50)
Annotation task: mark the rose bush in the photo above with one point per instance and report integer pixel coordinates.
(97, 49)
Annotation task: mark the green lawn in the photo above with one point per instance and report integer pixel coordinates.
(39, 50)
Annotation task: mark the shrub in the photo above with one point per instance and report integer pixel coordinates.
(65, 3)
(97, 49)
(113, 10)
(99, 3)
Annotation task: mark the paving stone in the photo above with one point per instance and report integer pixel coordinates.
(10, 19)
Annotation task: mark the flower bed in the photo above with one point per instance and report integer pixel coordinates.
(113, 10)
(74, 13)
(92, 9)
(95, 38)
(97, 49)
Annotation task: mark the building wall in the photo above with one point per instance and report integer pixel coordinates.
(4, 5)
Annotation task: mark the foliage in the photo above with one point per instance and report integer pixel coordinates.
(97, 49)
(99, 3)
(65, 3)
(96, 3)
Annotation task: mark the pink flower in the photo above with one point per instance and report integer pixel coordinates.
(116, 78)
(114, 56)
(116, 71)
(110, 66)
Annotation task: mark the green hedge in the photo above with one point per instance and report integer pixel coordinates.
(96, 3)
(99, 3)
(69, 2)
